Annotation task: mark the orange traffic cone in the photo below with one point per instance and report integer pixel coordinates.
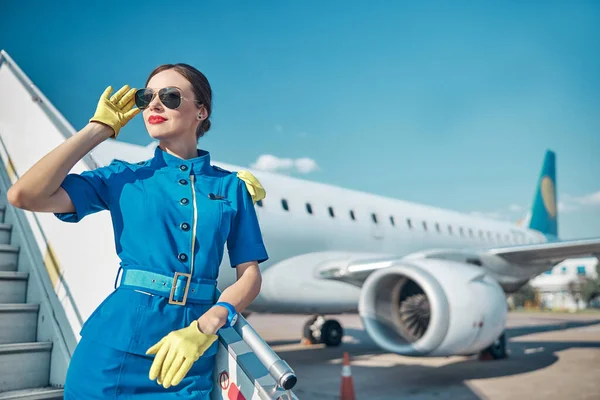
(347, 389)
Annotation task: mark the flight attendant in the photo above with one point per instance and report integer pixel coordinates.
(154, 336)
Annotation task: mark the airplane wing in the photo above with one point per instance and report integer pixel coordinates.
(356, 270)
(549, 253)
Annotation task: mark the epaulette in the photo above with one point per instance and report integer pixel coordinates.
(257, 191)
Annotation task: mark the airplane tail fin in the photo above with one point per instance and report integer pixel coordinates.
(544, 215)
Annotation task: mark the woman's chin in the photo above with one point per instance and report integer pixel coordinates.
(157, 133)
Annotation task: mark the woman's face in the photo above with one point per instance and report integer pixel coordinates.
(165, 123)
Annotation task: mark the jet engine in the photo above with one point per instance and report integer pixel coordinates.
(430, 307)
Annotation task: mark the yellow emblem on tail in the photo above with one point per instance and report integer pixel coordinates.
(254, 187)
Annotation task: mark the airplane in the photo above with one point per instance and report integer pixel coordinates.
(425, 281)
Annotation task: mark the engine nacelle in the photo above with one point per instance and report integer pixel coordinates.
(429, 307)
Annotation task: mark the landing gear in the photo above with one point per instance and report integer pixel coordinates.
(319, 330)
(496, 351)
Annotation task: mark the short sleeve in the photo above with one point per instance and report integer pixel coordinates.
(89, 192)
(245, 242)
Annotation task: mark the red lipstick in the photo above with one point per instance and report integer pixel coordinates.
(156, 119)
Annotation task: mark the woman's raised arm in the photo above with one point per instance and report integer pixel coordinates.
(39, 189)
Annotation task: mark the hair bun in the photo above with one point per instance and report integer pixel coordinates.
(206, 125)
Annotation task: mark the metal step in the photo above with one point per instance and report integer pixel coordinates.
(13, 287)
(5, 233)
(9, 256)
(45, 393)
(18, 322)
(24, 365)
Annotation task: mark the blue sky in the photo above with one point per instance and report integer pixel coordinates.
(446, 104)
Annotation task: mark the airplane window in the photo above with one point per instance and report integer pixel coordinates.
(284, 204)
(424, 225)
(374, 217)
(499, 237)
(437, 227)
(409, 223)
(331, 212)
(507, 238)
(259, 203)
(461, 231)
(352, 215)
(480, 234)
(392, 220)
(309, 208)
(450, 229)
(470, 232)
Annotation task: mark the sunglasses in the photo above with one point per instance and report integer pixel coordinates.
(170, 96)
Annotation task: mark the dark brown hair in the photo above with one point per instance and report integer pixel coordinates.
(200, 85)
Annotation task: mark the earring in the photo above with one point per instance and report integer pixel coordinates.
(199, 116)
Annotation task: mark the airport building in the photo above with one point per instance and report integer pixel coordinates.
(557, 287)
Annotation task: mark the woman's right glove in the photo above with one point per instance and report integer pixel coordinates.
(117, 110)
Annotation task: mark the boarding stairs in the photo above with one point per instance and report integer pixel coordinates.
(25, 355)
(36, 338)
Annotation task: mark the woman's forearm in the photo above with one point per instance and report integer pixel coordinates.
(240, 295)
(33, 190)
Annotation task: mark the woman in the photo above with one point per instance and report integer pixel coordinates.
(154, 337)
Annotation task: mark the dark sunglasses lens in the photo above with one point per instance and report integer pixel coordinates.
(170, 97)
(143, 97)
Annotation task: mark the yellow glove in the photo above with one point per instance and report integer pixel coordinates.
(117, 110)
(254, 187)
(176, 352)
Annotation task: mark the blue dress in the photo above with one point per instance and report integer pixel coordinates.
(171, 219)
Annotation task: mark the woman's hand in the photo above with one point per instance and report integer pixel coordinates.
(177, 352)
(117, 110)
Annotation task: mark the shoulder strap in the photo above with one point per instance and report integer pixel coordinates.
(253, 185)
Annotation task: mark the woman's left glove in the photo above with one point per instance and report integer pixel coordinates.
(177, 352)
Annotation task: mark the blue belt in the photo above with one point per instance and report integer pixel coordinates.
(179, 288)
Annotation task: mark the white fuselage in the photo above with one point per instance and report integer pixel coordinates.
(381, 225)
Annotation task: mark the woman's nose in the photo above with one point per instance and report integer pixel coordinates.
(155, 103)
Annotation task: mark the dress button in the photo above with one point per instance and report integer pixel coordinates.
(185, 226)
(184, 201)
(183, 182)
(182, 257)
(183, 167)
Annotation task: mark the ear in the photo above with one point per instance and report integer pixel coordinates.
(201, 113)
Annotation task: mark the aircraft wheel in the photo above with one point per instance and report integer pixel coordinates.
(332, 333)
(496, 351)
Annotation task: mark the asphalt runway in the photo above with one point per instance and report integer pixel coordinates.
(551, 356)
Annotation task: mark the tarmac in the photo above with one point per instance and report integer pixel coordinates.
(551, 356)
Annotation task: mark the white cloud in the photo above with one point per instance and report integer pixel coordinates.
(592, 199)
(515, 208)
(572, 203)
(306, 165)
(269, 162)
(564, 207)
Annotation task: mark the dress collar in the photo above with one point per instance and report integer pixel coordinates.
(199, 165)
